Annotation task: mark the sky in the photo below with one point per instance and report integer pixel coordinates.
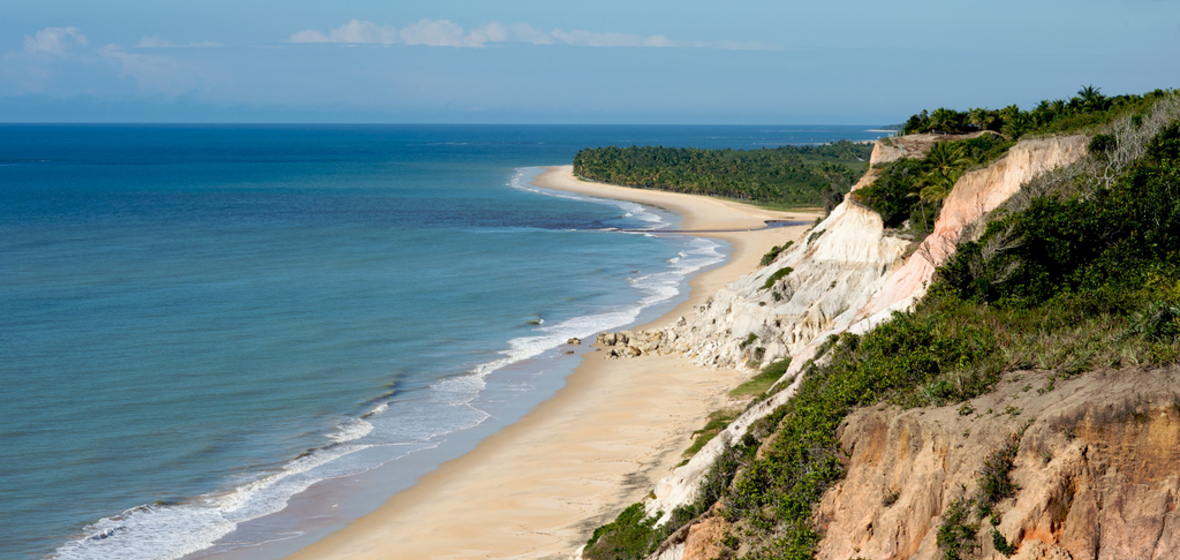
(554, 61)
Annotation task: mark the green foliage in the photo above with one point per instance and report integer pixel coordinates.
(893, 194)
(995, 482)
(1103, 245)
(1085, 111)
(760, 383)
(803, 458)
(956, 535)
(1001, 544)
(774, 252)
(778, 275)
(1102, 144)
(792, 175)
(631, 536)
(718, 420)
(1159, 321)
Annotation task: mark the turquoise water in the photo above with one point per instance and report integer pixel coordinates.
(199, 322)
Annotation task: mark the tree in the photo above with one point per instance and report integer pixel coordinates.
(948, 121)
(1091, 98)
(981, 118)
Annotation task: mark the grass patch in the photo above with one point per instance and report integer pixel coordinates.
(718, 421)
(759, 384)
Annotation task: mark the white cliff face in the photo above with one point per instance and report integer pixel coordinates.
(848, 275)
(836, 267)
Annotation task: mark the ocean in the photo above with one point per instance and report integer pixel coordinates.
(200, 326)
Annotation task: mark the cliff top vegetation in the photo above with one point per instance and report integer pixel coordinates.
(1086, 112)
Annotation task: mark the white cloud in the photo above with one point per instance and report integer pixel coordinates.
(355, 31)
(158, 43)
(580, 38)
(57, 41)
(445, 33)
(526, 33)
(440, 33)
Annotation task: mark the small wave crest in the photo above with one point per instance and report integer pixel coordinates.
(652, 220)
(170, 531)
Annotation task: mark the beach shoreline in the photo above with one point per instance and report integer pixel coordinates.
(536, 488)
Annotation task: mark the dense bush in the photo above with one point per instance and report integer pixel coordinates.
(1105, 245)
(793, 175)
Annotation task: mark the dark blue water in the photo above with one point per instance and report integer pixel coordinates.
(199, 322)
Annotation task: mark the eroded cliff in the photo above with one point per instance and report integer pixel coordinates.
(1094, 471)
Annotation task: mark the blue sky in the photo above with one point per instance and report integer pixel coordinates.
(532, 61)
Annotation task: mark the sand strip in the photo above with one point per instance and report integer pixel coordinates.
(537, 488)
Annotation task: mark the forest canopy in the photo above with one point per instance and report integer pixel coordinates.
(788, 175)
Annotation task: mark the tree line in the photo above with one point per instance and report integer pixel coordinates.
(790, 175)
(1086, 109)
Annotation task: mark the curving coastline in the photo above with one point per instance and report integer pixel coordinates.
(536, 488)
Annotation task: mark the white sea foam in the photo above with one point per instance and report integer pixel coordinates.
(352, 429)
(171, 531)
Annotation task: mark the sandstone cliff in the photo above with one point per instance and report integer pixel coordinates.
(1095, 471)
(849, 274)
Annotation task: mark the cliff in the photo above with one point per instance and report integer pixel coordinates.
(1094, 471)
(1052, 463)
(849, 274)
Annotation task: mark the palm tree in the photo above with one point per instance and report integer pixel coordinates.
(947, 158)
(1092, 98)
(946, 120)
(980, 118)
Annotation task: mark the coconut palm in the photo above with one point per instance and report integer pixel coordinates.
(947, 120)
(1092, 98)
(981, 118)
(947, 157)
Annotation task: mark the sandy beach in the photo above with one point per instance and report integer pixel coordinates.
(537, 488)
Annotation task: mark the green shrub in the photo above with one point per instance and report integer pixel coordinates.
(956, 534)
(1100, 245)
(631, 536)
(778, 275)
(774, 252)
(1102, 144)
(995, 482)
